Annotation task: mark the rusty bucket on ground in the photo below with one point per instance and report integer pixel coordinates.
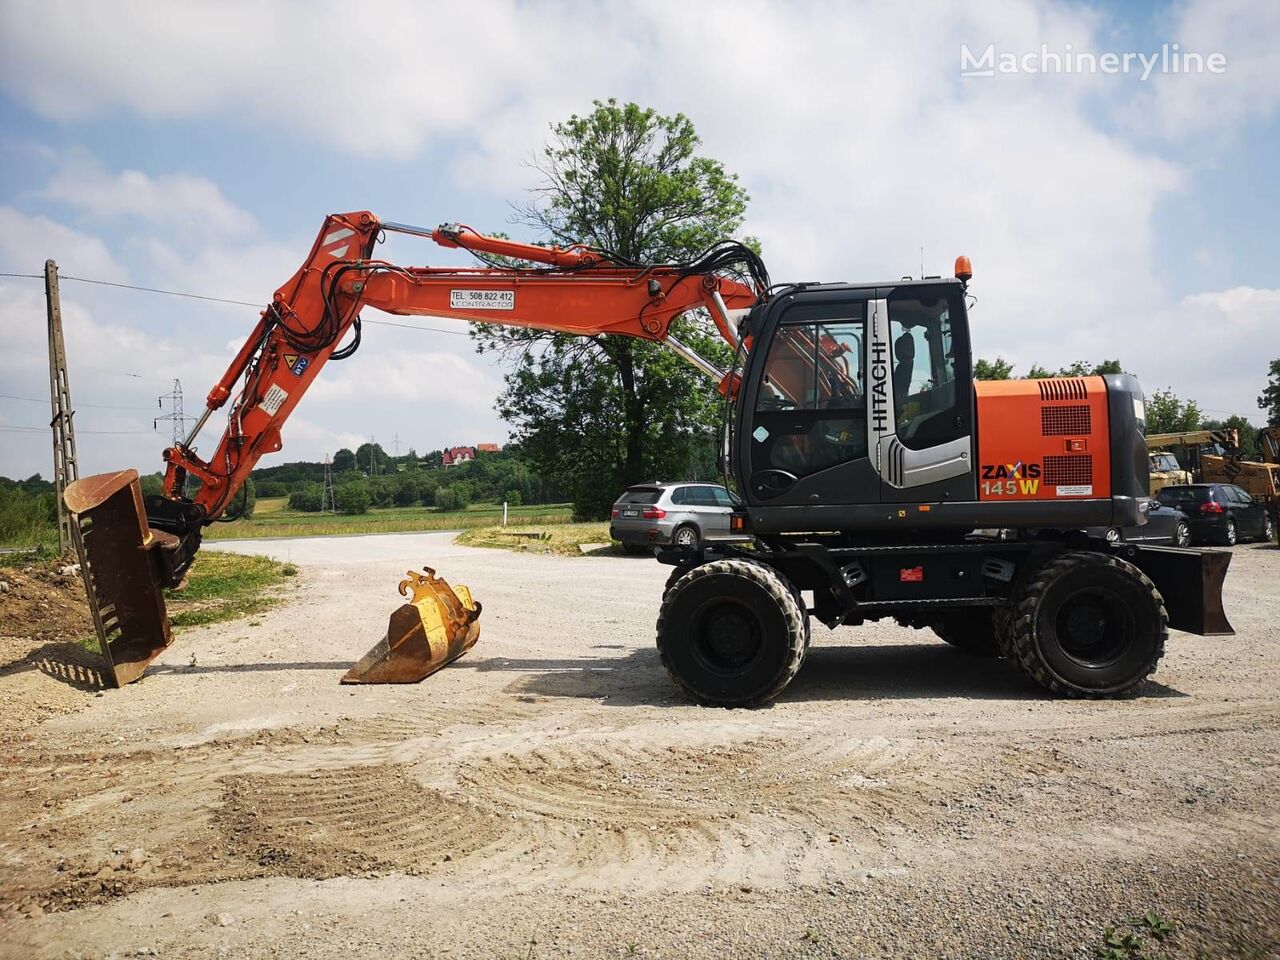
(437, 626)
(121, 562)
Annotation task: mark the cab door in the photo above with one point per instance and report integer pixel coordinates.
(803, 427)
(920, 429)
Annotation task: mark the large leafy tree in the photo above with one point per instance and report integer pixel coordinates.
(597, 414)
(1269, 401)
(1168, 413)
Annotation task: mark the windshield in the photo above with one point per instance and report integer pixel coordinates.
(641, 495)
(1164, 461)
(1176, 496)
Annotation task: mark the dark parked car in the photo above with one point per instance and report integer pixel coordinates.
(1219, 512)
(1165, 525)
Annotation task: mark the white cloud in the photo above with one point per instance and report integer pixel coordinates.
(26, 242)
(1213, 348)
(181, 200)
(388, 80)
(1184, 105)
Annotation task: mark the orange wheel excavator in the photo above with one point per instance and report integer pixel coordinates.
(876, 478)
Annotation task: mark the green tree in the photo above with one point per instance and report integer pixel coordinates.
(997, 369)
(248, 499)
(453, 497)
(1247, 432)
(594, 415)
(513, 498)
(344, 460)
(1269, 400)
(309, 498)
(352, 497)
(1167, 413)
(1080, 368)
(372, 459)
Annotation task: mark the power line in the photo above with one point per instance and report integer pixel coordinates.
(99, 406)
(13, 428)
(238, 303)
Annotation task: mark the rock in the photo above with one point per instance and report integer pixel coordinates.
(4, 586)
(222, 919)
(70, 570)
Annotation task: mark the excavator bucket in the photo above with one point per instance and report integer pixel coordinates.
(437, 626)
(119, 562)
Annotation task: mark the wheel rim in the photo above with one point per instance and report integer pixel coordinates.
(1231, 532)
(1183, 535)
(1113, 535)
(1269, 529)
(1094, 627)
(686, 538)
(728, 637)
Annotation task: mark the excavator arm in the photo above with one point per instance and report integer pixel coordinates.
(131, 550)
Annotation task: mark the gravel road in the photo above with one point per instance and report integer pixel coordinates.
(549, 795)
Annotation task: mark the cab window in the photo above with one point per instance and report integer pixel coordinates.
(928, 362)
(811, 404)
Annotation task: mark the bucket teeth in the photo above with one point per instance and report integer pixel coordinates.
(437, 626)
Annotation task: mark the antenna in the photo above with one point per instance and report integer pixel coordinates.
(922, 263)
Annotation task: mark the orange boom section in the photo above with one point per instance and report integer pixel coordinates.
(1043, 439)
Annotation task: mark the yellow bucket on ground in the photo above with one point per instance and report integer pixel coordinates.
(437, 626)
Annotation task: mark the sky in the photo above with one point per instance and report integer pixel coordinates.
(197, 147)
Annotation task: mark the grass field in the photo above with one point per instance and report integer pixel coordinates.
(227, 586)
(273, 518)
(564, 539)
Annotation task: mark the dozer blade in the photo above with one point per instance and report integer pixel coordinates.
(437, 626)
(119, 556)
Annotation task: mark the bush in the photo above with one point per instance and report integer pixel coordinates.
(28, 518)
(408, 489)
(309, 499)
(152, 484)
(353, 497)
(453, 497)
(250, 501)
(513, 498)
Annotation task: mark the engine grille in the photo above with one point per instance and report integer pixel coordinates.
(1075, 420)
(1072, 389)
(1068, 471)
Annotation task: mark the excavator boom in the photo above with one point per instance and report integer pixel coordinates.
(131, 548)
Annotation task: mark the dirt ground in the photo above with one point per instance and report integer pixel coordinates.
(550, 796)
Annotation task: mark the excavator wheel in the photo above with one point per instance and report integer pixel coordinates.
(971, 629)
(1088, 625)
(731, 633)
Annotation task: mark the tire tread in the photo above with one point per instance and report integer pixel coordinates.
(1019, 641)
(779, 589)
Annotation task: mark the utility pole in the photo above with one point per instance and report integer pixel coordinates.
(395, 445)
(327, 502)
(175, 414)
(372, 461)
(65, 467)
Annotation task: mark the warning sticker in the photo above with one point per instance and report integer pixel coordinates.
(275, 396)
(290, 359)
(1078, 490)
(482, 299)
